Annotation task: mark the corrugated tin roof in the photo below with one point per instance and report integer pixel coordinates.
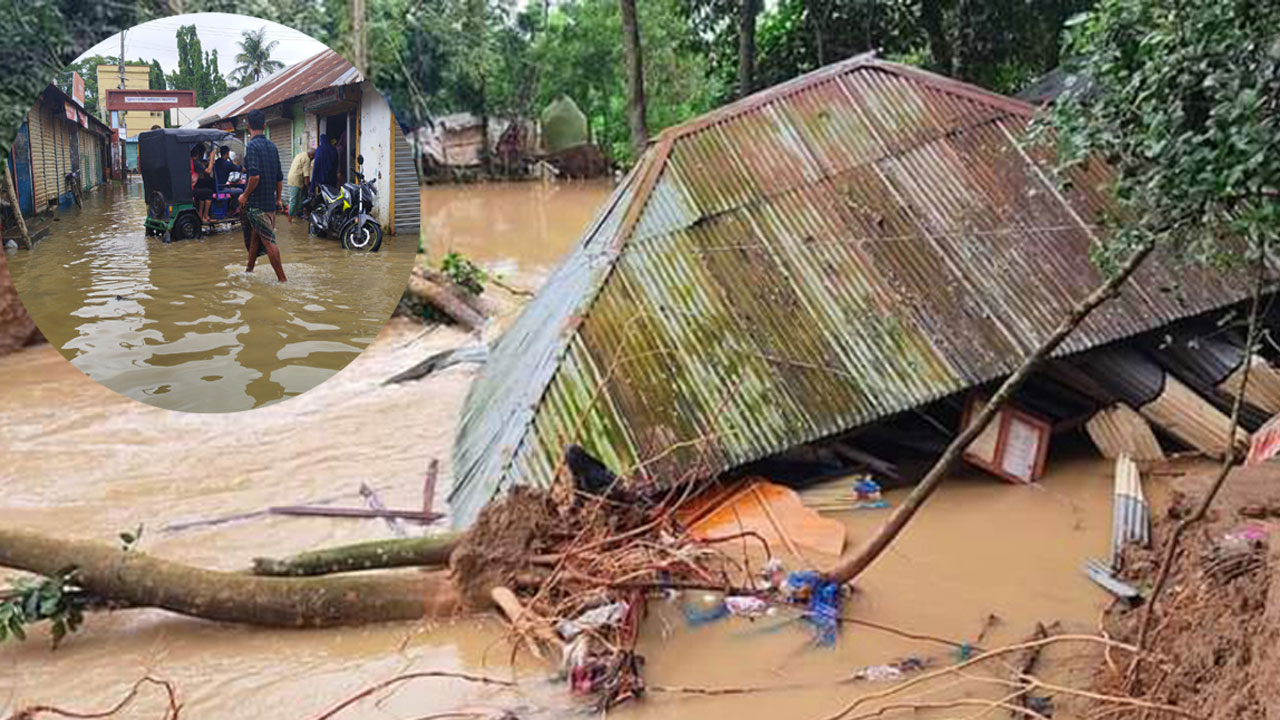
(850, 244)
(323, 70)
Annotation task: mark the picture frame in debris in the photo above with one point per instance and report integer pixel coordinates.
(1002, 447)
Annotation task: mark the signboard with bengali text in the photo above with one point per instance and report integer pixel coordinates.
(151, 100)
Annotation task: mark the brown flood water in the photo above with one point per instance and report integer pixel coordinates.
(182, 326)
(80, 461)
(517, 230)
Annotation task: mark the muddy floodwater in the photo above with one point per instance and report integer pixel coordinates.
(518, 229)
(182, 326)
(79, 461)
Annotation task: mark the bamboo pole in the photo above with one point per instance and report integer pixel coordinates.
(24, 238)
(375, 555)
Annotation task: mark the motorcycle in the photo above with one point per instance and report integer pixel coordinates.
(347, 213)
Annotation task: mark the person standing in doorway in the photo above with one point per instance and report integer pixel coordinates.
(261, 197)
(299, 177)
(324, 172)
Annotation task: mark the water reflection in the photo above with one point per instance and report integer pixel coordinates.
(182, 326)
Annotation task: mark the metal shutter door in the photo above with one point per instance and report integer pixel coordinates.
(35, 126)
(408, 197)
(281, 133)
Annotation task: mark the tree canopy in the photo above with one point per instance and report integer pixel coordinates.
(1182, 98)
(254, 59)
(197, 70)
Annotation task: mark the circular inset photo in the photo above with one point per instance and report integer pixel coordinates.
(220, 212)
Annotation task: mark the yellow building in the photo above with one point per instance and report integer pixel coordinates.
(136, 77)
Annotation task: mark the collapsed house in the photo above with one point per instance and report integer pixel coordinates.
(827, 256)
(559, 141)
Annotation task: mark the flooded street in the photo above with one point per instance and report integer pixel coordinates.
(182, 326)
(79, 461)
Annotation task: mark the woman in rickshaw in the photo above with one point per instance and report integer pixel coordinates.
(202, 185)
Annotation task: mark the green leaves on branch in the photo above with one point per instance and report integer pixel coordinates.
(1182, 99)
(464, 272)
(55, 600)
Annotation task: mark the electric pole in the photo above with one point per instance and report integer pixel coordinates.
(121, 60)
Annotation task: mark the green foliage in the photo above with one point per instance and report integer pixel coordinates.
(55, 600)
(156, 80)
(41, 37)
(254, 59)
(88, 69)
(1182, 99)
(465, 273)
(197, 70)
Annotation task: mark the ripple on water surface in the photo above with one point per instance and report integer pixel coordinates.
(182, 326)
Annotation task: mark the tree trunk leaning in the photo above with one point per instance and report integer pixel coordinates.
(634, 54)
(24, 239)
(853, 563)
(375, 555)
(136, 579)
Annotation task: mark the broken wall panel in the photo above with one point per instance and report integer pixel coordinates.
(1121, 430)
(1179, 411)
(1167, 402)
(1210, 363)
(1131, 520)
(1263, 388)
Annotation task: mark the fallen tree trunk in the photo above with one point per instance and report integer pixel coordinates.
(136, 579)
(377, 554)
(852, 564)
(470, 299)
(447, 302)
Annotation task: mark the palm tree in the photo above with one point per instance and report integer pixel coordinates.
(254, 58)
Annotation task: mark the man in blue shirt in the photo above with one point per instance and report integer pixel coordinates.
(261, 197)
(223, 167)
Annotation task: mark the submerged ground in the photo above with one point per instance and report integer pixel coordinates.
(80, 461)
(182, 326)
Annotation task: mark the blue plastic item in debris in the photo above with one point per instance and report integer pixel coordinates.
(700, 614)
(824, 603)
(866, 487)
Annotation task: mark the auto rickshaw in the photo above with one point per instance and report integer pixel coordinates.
(164, 160)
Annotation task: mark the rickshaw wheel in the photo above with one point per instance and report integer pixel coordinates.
(186, 227)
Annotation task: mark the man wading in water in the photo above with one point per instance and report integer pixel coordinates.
(261, 197)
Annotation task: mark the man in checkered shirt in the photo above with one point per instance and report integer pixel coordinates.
(261, 197)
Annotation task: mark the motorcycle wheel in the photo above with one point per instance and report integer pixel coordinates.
(314, 229)
(368, 240)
